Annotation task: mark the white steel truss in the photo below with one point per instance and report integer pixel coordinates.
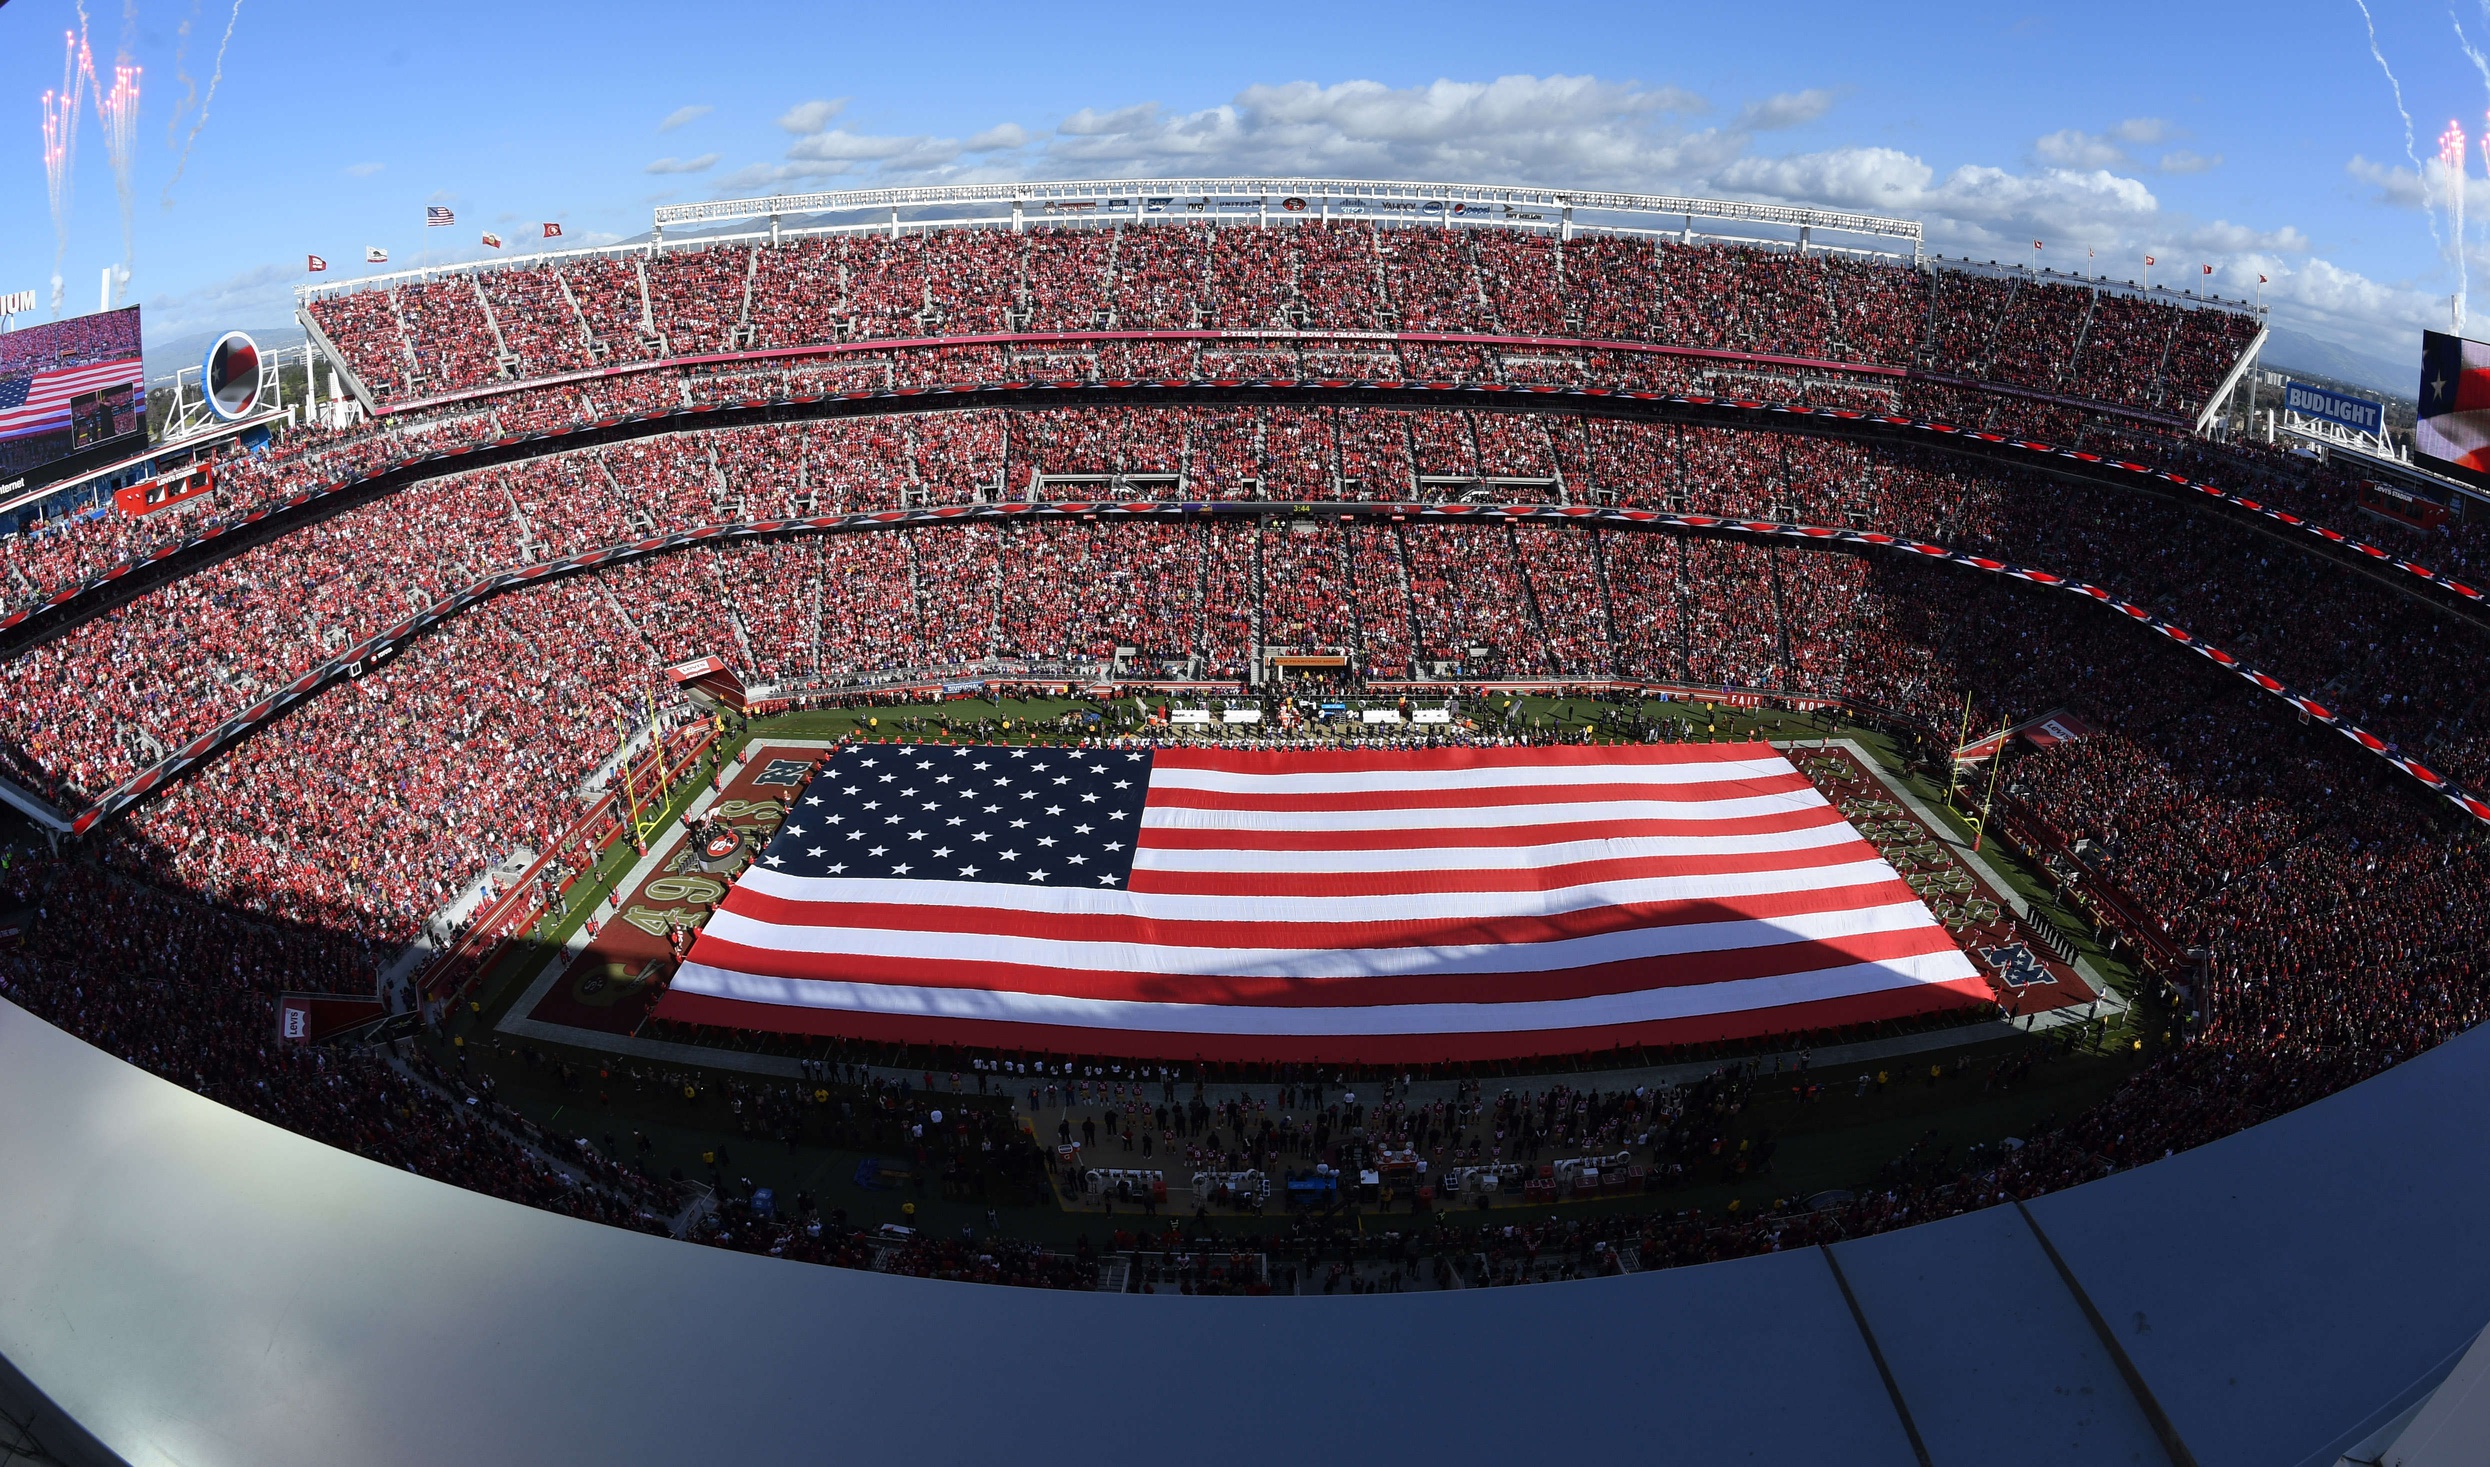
(1311, 196)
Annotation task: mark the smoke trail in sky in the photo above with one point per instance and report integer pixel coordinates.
(215, 75)
(61, 111)
(181, 73)
(2452, 175)
(2410, 152)
(2472, 53)
(118, 111)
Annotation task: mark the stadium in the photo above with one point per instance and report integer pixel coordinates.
(1565, 736)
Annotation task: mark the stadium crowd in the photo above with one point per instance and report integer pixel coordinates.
(111, 695)
(2293, 867)
(2313, 905)
(524, 321)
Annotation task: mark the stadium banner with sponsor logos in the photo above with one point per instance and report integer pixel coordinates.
(2360, 414)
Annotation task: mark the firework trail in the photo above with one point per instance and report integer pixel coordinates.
(2451, 170)
(181, 73)
(61, 110)
(118, 111)
(216, 74)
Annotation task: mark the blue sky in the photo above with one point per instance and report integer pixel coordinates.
(2260, 139)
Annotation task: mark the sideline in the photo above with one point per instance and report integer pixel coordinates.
(556, 968)
(2112, 1001)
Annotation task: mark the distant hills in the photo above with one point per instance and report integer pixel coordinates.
(169, 355)
(2288, 350)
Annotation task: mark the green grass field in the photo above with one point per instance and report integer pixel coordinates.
(1841, 1140)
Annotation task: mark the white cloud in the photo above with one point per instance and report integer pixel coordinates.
(1552, 129)
(363, 170)
(2083, 191)
(843, 146)
(1878, 179)
(1008, 135)
(682, 115)
(2224, 237)
(701, 164)
(1971, 207)
(262, 296)
(2339, 305)
(806, 117)
(1785, 109)
(1556, 129)
(2404, 189)
(2074, 148)
(2398, 186)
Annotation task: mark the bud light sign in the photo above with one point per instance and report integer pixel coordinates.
(2356, 413)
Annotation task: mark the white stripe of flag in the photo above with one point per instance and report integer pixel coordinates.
(1401, 897)
(47, 396)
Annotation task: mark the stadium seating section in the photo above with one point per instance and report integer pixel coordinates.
(2324, 894)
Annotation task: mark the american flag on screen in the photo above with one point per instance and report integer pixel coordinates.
(1353, 906)
(435, 216)
(2454, 422)
(40, 403)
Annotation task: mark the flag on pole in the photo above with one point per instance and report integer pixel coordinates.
(435, 215)
(2148, 259)
(1360, 906)
(552, 230)
(2208, 269)
(492, 240)
(2261, 280)
(375, 255)
(316, 264)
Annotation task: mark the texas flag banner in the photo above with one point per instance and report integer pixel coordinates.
(1352, 906)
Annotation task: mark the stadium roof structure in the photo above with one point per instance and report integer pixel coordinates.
(184, 1283)
(1243, 200)
(1310, 197)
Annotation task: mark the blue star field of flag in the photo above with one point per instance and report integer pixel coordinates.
(1010, 816)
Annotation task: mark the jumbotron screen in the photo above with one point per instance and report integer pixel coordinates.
(2453, 431)
(69, 386)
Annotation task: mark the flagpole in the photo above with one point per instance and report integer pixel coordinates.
(1997, 761)
(1953, 767)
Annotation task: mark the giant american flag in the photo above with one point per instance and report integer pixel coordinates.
(1356, 906)
(40, 403)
